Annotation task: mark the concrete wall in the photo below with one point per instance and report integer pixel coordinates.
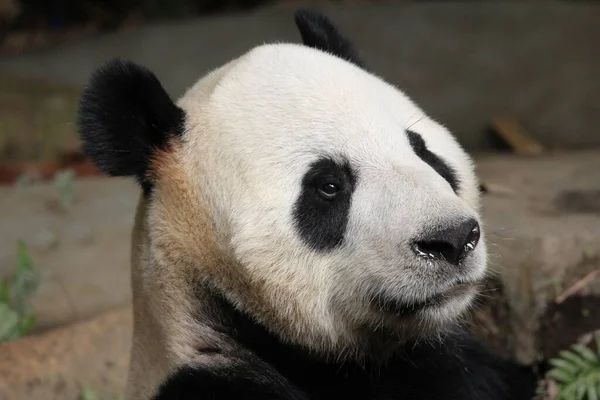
(465, 63)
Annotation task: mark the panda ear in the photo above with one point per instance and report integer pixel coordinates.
(125, 115)
(319, 32)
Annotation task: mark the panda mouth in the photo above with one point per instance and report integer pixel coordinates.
(458, 290)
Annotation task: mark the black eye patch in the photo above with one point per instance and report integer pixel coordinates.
(435, 162)
(321, 211)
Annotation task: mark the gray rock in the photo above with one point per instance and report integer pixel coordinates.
(86, 269)
(540, 243)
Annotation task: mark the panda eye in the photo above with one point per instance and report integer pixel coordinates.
(328, 190)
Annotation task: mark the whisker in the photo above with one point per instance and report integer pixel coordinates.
(414, 123)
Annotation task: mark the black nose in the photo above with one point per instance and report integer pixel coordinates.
(452, 244)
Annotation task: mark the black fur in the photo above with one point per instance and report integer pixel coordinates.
(319, 32)
(264, 367)
(322, 223)
(439, 165)
(124, 116)
(242, 381)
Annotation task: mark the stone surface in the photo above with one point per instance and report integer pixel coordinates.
(82, 254)
(465, 63)
(543, 241)
(57, 365)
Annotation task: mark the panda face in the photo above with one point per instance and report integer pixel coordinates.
(313, 195)
(337, 194)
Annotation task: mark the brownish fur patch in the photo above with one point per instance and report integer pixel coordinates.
(191, 251)
(184, 230)
(173, 239)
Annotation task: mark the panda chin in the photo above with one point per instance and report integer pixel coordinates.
(440, 306)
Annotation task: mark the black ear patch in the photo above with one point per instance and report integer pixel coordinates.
(125, 115)
(319, 32)
(439, 165)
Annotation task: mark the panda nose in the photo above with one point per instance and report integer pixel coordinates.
(452, 244)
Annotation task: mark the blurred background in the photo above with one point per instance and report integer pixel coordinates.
(517, 82)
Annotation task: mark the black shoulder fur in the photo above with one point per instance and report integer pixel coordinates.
(263, 367)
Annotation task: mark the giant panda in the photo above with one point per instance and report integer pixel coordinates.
(304, 231)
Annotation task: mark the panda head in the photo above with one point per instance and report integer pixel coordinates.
(313, 195)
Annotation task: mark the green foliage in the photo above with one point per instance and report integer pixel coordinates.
(16, 316)
(87, 393)
(576, 373)
(65, 182)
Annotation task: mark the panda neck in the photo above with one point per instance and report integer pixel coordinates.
(248, 333)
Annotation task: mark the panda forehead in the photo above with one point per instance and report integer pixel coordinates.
(304, 82)
(304, 102)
